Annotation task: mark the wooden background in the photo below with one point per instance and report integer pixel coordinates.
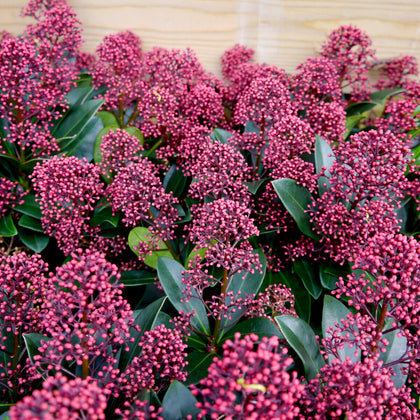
(283, 32)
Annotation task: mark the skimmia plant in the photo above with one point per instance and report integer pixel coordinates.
(177, 245)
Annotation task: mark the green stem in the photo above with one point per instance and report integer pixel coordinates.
(154, 147)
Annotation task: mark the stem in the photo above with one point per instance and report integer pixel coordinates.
(134, 114)
(121, 109)
(381, 323)
(85, 362)
(154, 147)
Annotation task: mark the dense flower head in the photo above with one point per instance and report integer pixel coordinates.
(57, 34)
(250, 381)
(119, 69)
(277, 299)
(118, 150)
(220, 171)
(233, 57)
(85, 316)
(139, 410)
(162, 360)
(64, 399)
(29, 96)
(395, 73)
(366, 183)
(358, 390)
(67, 189)
(350, 49)
(264, 101)
(316, 80)
(10, 194)
(85, 61)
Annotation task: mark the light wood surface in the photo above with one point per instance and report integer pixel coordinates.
(282, 32)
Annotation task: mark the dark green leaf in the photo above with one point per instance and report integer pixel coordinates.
(104, 214)
(33, 343)
(263, 327)
(31, 223)
(381, 95)
(7, 226)
(352, 122)
(35, 241)
(220, 135)
(29, 207)
(324, 158)
(174, 181)
(296, 199)
(329, 275)
(198, 365)
(359, 108)
(301, 338)
(170, 277)
(305, 270)
(78, 95)
(334, 311)
(142, 234)
(137, 278)
(75, 121)
(243, 284)
(145, 320)
(178, 402)
(253, 186)
(108, 119)
(83, 144)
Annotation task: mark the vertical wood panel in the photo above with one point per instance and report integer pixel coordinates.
(283, 32)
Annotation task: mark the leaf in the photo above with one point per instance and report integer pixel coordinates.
(243, 284)
(329, 275)
(262, 327)
(170, 274)
(108, 118)
(75, 121)
(137, 278)
(142, 234)
(174, 181)
(29, 207)
(145, 320)
(360, 108)
(251, 127)
(382, 95)
(253, 186)
(198, 365)
(351, 122)
(134, 131)
(78, 95)
(30, 223)
(334, 311)
(220, 135)
(296, 199)
(196, 251)
(83, 145)
(178, 402)
(104, 214)
(33, 343)
(7, 227)
(324, 158)
(301, 338)
(35, 241)
(395, 350)
(305, 270)
(97, 157)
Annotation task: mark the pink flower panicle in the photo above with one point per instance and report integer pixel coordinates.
(276, 300)
(119, 149)
(139, 410)
(370, 166)
(250, 381)
(67, 189)
(233, 57)
(85, 61)
(118, 68)
(11, 194)
(64, 399)
(162, 360)
(358, 390)
(396, 73)
(138, 192)
(220, 171)
(85, 316)
(350, 50)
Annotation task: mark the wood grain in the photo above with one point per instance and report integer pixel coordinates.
(282, 32)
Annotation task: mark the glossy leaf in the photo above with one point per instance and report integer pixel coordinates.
(108, 118)
(7, 226)
(381, 95)
(145, 320)
(305, 270)
(329, 275)
(221, 135)
(196, 251)
(104, 214)
(333, 312)
(296, 199)
(29, 206)
(33, 342)
(254, 186)
(78, 95)
(142, 234)
(35, 241)
(137, 278)
(244, 284)
(263, 327)
(324, 158)
(84, 143)
(31, 223)
(198, 365)
(170, 277)
(300, 336)
(97, 157)
(174, 181)
(136, 132)
(360, 108)
(178, 402)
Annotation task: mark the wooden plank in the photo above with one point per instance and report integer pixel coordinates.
(283, 32)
